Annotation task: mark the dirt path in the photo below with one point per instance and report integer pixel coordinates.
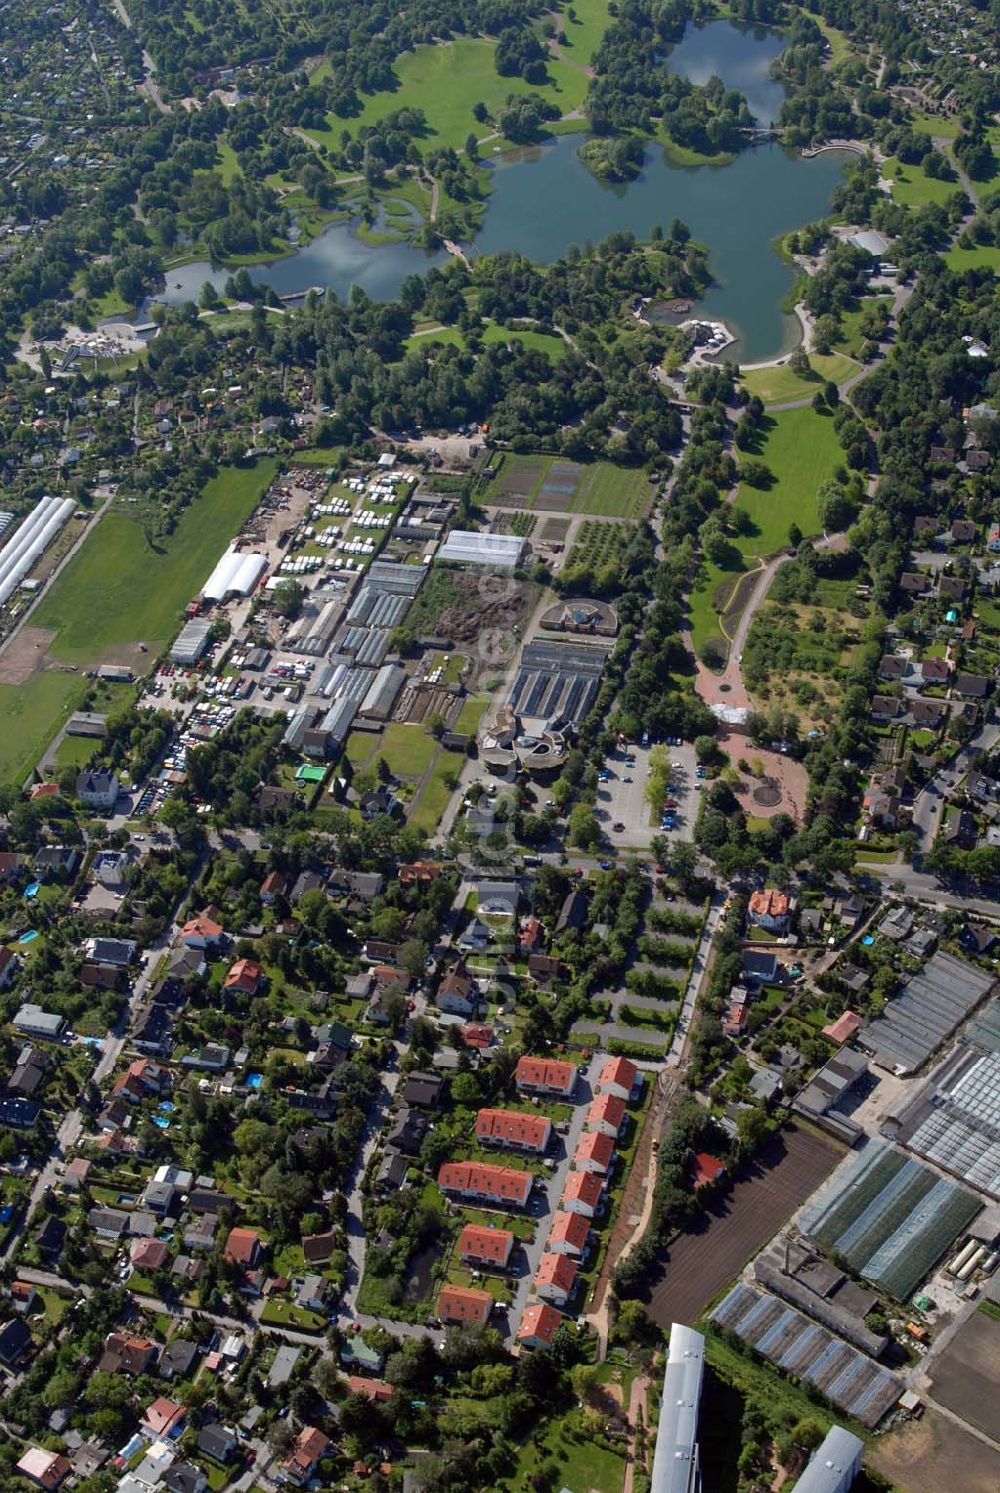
(637, 1424)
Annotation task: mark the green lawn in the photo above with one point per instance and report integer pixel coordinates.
(983, 257)
(933, 124)
(76, 751)
(543, 342)
(782, 384)
(445, 81)
(408, 750)
(433, 798)
(840, 46)
(801, 449)
(585, 29)
(702, 616)
(471, 713)
(912, 187)
(32, 714)
(118, 590)
(582, 1463)
(851, 340)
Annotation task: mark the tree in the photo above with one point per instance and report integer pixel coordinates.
(288, 598)
(799, 362)
(834, 506)
(755, 473)
(583, 829)
(705, 748)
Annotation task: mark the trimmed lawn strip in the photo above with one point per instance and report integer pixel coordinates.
(802, 450)
(782, 384)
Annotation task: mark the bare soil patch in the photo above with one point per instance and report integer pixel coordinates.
(704, 1259)
(967, 1375)
(926, 1456)
(555, 530)
(553, 502)
(25, 654)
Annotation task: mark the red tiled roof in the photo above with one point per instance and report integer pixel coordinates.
(540, 1321)
(569, 1228)
(844, 1028)
(532, 1131)
(460, 1304)
(618, 1071)
(606, 1109)
(707, 1169)
(474, 1035)
(546, 1073)
(245, 974)
(242, 1246)
(502, 1184)
(595, 1146)
(492, 1245)
(584, 1187)
(769, 903)
(556, 1270)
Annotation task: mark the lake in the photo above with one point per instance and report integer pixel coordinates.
(544, 199)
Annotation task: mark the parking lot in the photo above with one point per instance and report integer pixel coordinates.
(622, 799)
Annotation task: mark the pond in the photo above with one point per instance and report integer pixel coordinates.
(544, 199)
(741, 56)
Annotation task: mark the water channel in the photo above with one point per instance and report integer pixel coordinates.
(544, 199)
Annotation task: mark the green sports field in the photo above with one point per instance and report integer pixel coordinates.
(118, 591)
(446, 80)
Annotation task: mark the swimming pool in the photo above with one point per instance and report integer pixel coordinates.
(161, 1122)
(165, 1107)
(27, 937)
(868, 940)
(32, 890)
(254, 1080)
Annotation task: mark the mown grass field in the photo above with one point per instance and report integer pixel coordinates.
(781, 384)
(118, 590)
(543, 342)
(446, 80)
(934, 124)
(584, 29)
(912, 187)
(801, 449)
(32, 713)
(982, 257)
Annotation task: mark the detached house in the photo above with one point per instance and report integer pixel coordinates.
(569, 1234)
(605, 1115)
(202, 933)
(583, 1193)
(302, 1464)
(244, 978)
(620, 1077)
(458, 993)
(539, 1325)
(97, 789)
(594, 1153)
(769, 909)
